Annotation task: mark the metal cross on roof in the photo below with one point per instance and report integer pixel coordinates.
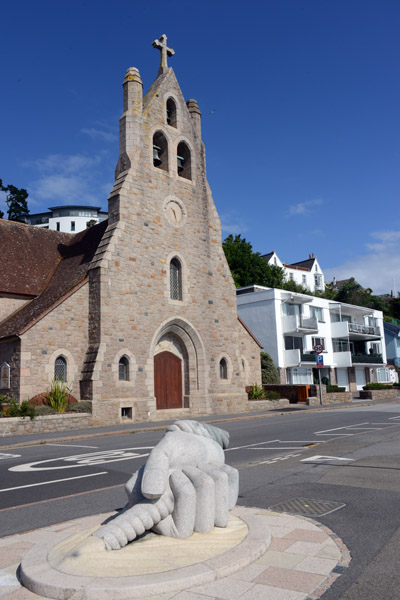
(161, 45)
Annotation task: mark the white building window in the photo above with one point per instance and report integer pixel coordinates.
(293, 343)
(300, 376)
(318, 341)
(316, 313)
(304, 279)
(72, 225)
(383, 375)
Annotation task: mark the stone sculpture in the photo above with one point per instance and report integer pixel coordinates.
(185, 486)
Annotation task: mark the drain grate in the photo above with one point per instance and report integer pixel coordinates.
(307, 507)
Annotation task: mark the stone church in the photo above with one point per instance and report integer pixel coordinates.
(138, 313)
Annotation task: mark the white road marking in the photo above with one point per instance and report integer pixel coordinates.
(84, 460)
(20, 487)
(392, 418)
(250, 445)
(4, 456)
(280, 448)
(304, 441)
(343, 427)
(318, 458)
(71, 446)
(271, 461)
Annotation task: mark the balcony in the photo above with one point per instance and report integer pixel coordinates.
(355, 331)
(375, 359)
(292, 358)
(296, 324)
(348, 359)
(308, 357)
(342, 359)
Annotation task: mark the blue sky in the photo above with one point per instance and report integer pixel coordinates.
(300, 102)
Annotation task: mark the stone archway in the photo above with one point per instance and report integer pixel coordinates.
(178, 363)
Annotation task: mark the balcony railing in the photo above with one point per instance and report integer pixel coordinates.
(367, 358)
(364, 329)
(294, 323)
(344, 329)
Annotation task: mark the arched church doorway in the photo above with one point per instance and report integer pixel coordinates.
(179, 380)
(168, 380)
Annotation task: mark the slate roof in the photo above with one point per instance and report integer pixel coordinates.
(68, 270)
(305, 264)
(28, 256)
(267, 256)
(391, 328)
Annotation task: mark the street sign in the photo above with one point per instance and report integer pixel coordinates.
(319, 360)
(318, 348)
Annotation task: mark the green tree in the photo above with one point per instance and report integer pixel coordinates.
(16, 200)
(269, 372)
(353, 293)
(248, 267)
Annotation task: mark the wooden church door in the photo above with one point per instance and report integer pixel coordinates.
(168, 380)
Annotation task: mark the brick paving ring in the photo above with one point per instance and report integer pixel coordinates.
(67, 566)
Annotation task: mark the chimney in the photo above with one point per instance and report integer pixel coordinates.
(312, 255)
(309, 256)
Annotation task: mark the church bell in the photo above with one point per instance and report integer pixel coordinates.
(181, 162)
(157, 151)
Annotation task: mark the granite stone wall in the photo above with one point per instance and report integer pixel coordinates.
(63, 331)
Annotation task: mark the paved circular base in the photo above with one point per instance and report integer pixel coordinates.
(70, 566)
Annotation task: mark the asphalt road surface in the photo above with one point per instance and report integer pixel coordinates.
(348, 457)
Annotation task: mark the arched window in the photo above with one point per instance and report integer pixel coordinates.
(175, 279)
(184, 161)
(160, 151)
(223, 369)
(60, 369)
(123, 369)
(171, 113)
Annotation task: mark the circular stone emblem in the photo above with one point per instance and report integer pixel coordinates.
(174, 211)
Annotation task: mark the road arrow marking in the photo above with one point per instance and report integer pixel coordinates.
(318, 458)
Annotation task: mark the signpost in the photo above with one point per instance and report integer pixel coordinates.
(319, 359)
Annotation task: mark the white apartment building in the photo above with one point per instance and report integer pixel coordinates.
(289, 325)
(307, 273)
(69, 218)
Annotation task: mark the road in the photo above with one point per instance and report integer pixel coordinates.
(349, 457)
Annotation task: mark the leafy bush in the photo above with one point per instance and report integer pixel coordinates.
(58, 395)
(331, 389)
(43, 410)
(377, 386)
(14, 409)
(84, 406)
(269, 372)
(256, 392)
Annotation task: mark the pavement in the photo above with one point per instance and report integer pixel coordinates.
(31, 439)
(300, 560)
